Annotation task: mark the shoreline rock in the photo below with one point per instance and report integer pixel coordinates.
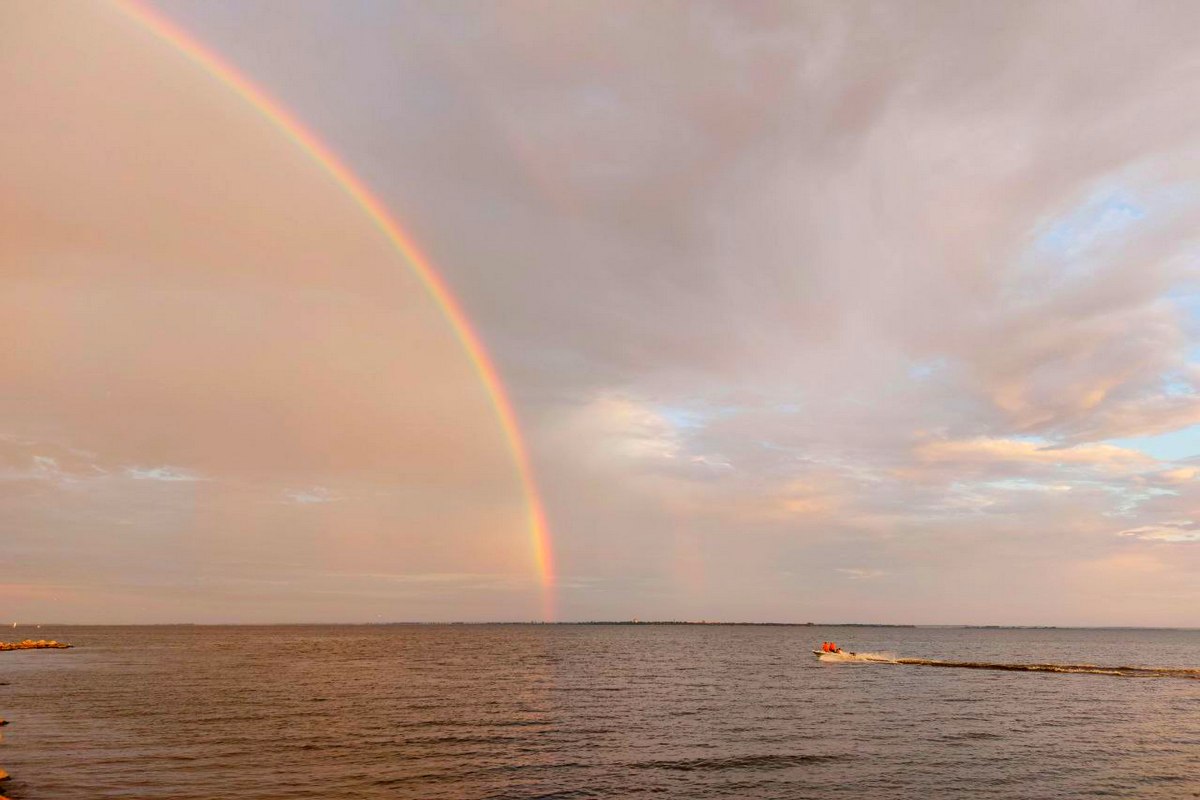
(30, 644)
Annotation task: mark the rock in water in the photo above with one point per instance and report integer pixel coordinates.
(30, 644)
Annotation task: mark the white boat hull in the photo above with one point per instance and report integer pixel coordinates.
(838, 656)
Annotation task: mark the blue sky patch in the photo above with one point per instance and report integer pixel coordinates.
(1100, 220)
(684, 418)
(1174, 446)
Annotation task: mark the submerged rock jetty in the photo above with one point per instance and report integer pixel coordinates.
(4, 775)
(27, 644)
(30, 644)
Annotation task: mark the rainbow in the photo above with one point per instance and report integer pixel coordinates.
(172, 34)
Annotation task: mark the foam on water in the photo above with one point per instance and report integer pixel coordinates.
(1075, 669)
(1083, 669)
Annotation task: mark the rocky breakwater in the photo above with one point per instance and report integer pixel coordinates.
(30, 644)
(3, 775)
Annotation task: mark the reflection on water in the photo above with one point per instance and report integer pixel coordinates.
(593, 711)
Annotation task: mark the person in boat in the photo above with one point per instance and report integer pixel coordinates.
(830, 647)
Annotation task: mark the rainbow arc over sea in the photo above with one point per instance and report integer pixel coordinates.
(539, 532)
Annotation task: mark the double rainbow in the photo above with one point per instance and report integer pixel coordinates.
(539, 533)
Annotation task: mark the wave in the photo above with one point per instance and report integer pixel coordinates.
(763, 761)
(1078, 669)
(1084, 669)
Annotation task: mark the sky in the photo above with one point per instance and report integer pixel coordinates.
(807, 311)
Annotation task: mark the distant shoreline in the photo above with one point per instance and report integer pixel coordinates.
(642, 623)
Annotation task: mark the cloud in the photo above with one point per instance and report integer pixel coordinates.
(859, 573)
(1176, 476)
(627, 433)
(449, 581)
(984, 453)
(315, 494)
(165, 474)
(775, 288)
(1181, 531)
(25, 459)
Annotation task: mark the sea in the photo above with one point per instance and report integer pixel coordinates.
(595, 711)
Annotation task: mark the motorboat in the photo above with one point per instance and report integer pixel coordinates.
(834, 655)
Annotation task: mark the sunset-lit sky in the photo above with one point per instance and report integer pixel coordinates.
(806, 311)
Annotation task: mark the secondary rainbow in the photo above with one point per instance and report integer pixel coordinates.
(169, 32)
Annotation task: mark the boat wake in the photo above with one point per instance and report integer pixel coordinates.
(1076, 669)
(1080, 669)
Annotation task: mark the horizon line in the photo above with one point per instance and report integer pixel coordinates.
(628, 622)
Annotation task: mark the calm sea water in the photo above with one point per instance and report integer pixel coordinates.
(592, 711)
